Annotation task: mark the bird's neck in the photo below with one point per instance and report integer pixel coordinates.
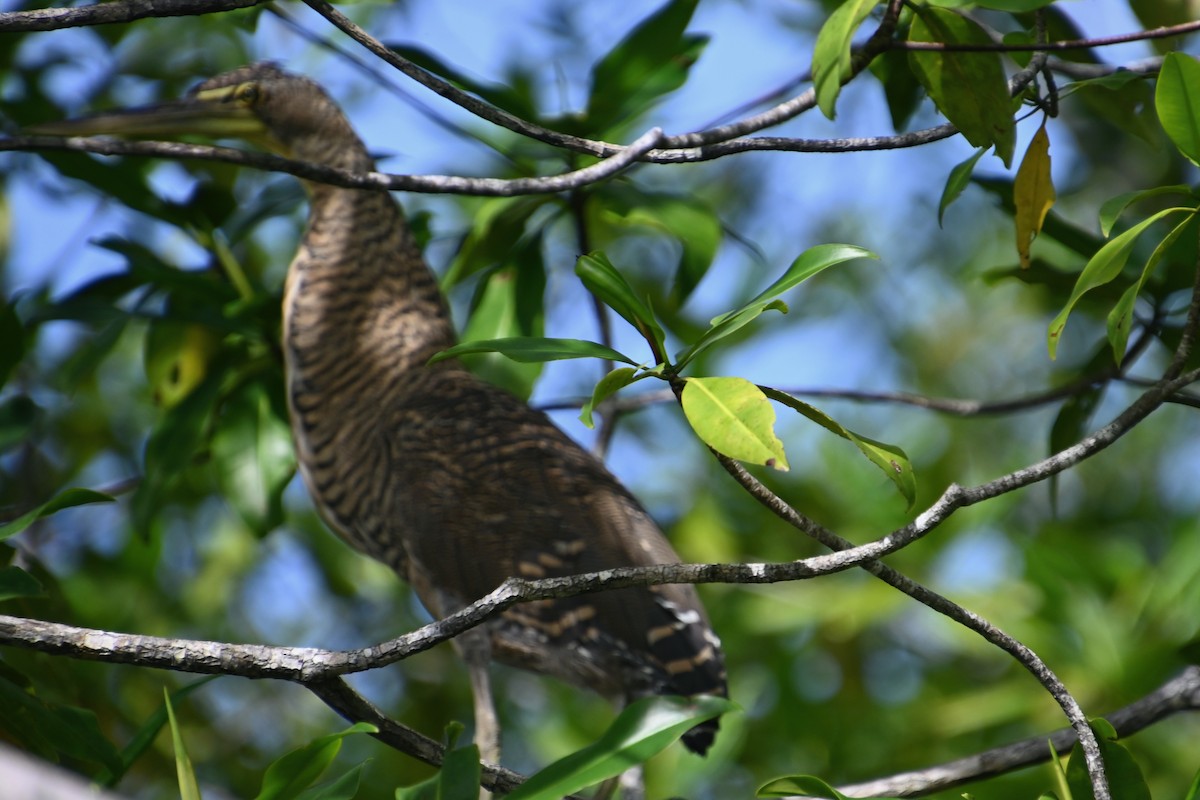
(359, 295)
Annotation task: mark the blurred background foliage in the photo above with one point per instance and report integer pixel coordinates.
(141, 344)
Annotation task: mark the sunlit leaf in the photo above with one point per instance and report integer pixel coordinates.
(1120, 319)
(189, 788)
(807, 264)
(970, 89)
(642, 729)
(1033, 193)
(831, 53)
(734, 417)
(890, 459)
(176, 358)
(1177, 100)
(1103, 267)
(1111, 209)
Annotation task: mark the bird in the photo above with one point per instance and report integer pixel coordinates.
(452, 482)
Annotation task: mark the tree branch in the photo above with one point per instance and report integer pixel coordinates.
(430, 184)
(352, 706)
(50, 19)
(1181, 693)
(1163, 32)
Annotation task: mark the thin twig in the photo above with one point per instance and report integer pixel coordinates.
(52, 19)
(1164, 32)
(431, 184)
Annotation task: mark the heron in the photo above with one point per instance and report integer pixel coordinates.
(452, 482)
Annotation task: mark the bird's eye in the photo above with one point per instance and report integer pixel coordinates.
(247, 94)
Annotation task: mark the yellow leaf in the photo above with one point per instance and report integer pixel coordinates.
(1033, 193)
(734, 417)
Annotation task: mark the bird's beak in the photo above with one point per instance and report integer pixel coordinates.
(213, 115)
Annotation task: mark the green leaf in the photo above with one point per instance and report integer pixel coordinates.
(497, 226)
(1112, 208)
(890, 459)
(509, 304)
(734, 417)
(66, 499)
(290, 774)
(1012, 6)
(16, 582)
(1059, 770)
(806, 265)
(799, 786)
(1125, 777)
(900, 87)
(1177, 100)
(1193, 792)
(1074, 416)
(653, 60)
(959, 177)
(175, 441)
(604, 281)
(147, 733)
(12, 333)
(970, 89)
(528, 348)
(458, 778)
(614, 381)
(460, 774)
(19, 415)
(344, 787)
(505, 97)
(189, 789)
(252, 454)
(691, 222)
(641, 730)
(53, 731)
(1103, 267)
(1120, 319)
(176, 358)
(831, 53)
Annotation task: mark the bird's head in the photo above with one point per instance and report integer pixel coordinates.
(261, 103)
